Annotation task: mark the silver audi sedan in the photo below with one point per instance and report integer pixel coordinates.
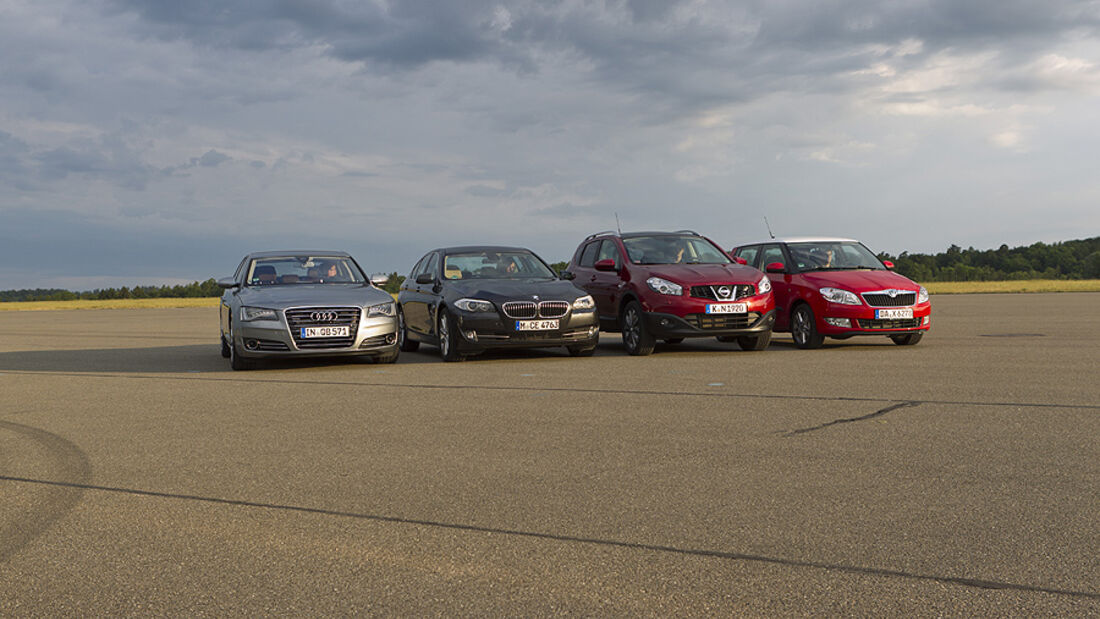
(305, 304)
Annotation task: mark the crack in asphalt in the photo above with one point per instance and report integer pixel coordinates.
(581, 390)
(878, 413)
(718, 554)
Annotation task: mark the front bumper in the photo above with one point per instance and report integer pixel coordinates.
(664, 326)
(844, 321)
(272, 338)
(483, 330)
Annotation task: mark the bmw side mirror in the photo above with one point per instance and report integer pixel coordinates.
(424, 278)
(379, 279)
(775, 267)
(607, 264)
(568, 275)
(228, 282)
(888, 264)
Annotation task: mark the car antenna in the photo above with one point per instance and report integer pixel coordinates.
(617, 226)
(769, 227)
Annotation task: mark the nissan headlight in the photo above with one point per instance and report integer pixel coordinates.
(474, 305)
(664, 286)
(382, 309)
(836, 295)
(584, 303)
(249, 314)
(922, 295)
(764, 285)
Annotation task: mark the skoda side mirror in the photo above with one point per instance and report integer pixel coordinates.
(888, 264)
(775, 267)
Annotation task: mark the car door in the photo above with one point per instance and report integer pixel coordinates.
(584, 272)
(781, 282)
(415, 297)
(606, 286)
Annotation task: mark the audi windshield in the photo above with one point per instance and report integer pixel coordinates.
(303, 269)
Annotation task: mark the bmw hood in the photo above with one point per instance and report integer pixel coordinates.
(500, 290)
(299, 295)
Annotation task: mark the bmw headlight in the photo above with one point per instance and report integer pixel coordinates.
(664, 286)
(584, 303)
(474, 305)
(249, 314)
(922, 295)
(836, 295)
(382, 309)
(764, 285)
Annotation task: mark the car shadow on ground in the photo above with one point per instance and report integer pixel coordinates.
(198, 358)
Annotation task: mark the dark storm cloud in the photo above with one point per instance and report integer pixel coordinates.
(108, 159)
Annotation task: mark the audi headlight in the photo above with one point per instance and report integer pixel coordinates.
(584, 303)
(836, 295)
(474, 305)
(249, 314)
(764, 285)
(382, 309)
(664, 286)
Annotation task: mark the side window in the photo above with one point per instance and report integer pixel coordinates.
(749, 254)
(433, 264)
(770, 254)
(240, 270)
(588, 256)
(609, 250)
(419, 268)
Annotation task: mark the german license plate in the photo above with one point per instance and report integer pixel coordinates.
(536, 325)
(308, 332)
(727, 308)
(893, 314)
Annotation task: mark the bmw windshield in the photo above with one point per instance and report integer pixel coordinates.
(673, 249)
(495, 265)
(303, 269)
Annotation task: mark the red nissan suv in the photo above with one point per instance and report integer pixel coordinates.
(838, 288)
(672, 285)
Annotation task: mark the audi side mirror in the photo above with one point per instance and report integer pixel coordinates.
(607, 264)
(228, 282)
(424, 278)
(379, 279)
(775, 267)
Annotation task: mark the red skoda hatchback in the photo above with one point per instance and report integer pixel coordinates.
(837, 288)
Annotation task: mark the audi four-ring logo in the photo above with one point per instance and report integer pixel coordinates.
(323, 316)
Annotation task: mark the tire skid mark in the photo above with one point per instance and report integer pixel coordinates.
(550, 389)
(71, 463)
(878, 413)
(979, 583)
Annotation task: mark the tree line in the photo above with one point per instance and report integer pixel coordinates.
(1078, 259)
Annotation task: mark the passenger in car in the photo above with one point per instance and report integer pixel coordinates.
(264, 274)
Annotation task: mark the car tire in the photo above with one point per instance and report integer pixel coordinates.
(726, 338)
(404, 342)
(636, 338)
(674, 340)
(755, 342)
(804, 328)
(909, 339)
(448, 337)
(225, 348)
(581, 351)
(236, 361)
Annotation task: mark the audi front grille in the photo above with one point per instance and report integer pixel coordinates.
(300, 317)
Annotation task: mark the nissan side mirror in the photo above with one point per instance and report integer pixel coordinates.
(888, 264)
(228, 282)
(775, 267)
(607, 264)
(424, 278)
(379, 279)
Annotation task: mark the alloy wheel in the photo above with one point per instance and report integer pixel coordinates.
(631, 327)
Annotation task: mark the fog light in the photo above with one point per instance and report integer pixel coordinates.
(391, 338)
(927, 321)
(839, 322)
(470, 335)
(251, 344)
(592, 330)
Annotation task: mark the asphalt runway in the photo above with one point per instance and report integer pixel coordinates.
(140, 476)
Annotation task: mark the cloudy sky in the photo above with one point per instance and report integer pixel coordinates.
(157, 142)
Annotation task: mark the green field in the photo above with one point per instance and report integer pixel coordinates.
(1022, 286)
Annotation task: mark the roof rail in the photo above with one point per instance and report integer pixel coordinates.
(689, 232)
(592, 236)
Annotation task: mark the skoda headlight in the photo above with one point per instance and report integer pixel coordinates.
(843, 297)
(382, 309)
(584, 303)
(764, 285)
(249, 314)
(664, 286)
(474, 305)
(922, 295)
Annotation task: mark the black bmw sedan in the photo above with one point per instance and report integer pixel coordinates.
(469, 299)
